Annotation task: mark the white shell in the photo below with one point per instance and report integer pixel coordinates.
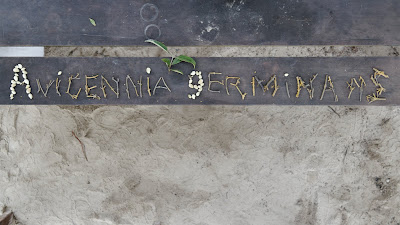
(16, 78)
(12, 88)
(13, 92)
(195, 86)
(202, 84)
(27, 86)
(200, 77)
(198, 94)
(28, 90)
(193, 73)
(190, 81)
(286, 74)
(24, 75)
(30, 96)
(26, 81)
(201, 81)
(148, 70)
(16, 70)
(13, 84)
(24, 72)
(59, 73)
(19, 66)
(200, 89)
(193, 96)
(190, 96)
(191, 85)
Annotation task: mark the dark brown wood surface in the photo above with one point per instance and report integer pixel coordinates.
(341, 71)
(199, 22)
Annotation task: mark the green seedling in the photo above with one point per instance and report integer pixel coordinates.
(174, 60)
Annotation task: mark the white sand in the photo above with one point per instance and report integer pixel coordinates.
(203, 165)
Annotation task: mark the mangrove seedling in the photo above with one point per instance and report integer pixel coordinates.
(174, 60)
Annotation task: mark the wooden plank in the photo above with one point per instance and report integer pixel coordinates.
(198, 22)
(341, 71)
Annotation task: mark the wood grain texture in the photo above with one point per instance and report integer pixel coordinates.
(197, 22)
(341, 71)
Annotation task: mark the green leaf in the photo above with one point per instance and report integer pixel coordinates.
(159, 44)
(167, 61)
(176, 61)
(187, 59)
(177, 71)
(92, 21)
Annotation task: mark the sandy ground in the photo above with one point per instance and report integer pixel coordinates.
(200, 165)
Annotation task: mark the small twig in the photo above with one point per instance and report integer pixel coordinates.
(334, 111)
(163, 87)
(82, 145)
(287, 89)
(58, 86)
(128, 78)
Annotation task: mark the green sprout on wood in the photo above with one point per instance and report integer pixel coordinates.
(174, 59)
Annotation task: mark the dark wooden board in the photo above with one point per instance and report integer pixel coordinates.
(340, 69)
(199, 22)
